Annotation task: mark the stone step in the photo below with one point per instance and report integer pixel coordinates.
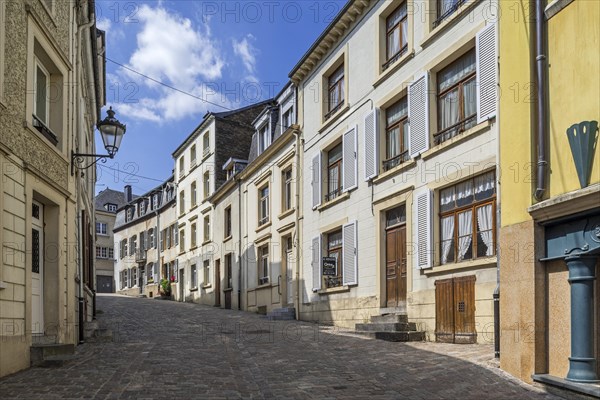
(405, 336)
(43, 339)
(91, 325)
(100, 335)
(281, 317)
(387, 327)
(385, 318)
(55, 361)
(41, 352)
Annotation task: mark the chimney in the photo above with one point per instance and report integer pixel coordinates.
(128, 195)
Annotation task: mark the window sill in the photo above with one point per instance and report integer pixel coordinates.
(181, 252)
(263, 226)
(207, 241)
(333, 202)
(194, 167)
(263, 286)
(3, 285)
(394, 171)
(477, 129)
(395, 66)
(452, 20)
(193, 207)
(194, 289)
(334, 117)
(339, 289)
(227, 239)
(207, 286)
(205, 156)
(47, 142)
(194, 247)
(555, 7)
(477, 263)
(228, 289)
(286, 213)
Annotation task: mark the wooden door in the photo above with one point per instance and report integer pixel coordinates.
(396, 266)
(218, 283)
(455, 310)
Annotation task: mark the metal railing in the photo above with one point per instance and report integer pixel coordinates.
(455, 129)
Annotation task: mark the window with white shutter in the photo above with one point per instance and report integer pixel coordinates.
(349, 254)
(316, 180)
(418, 116)
(487, 73)
(316, 263)
(371, 145)
(423, 222)
(350, 160)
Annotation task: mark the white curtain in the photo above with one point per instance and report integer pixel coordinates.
(393, 44)
(447, 236)
(470, 98)
(485, 223)
(393, 143)
(449, 109)
(485, 182)
(465, 229)
(447, 196)
(404, 27)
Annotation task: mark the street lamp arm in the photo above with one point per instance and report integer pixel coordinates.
(77, 160)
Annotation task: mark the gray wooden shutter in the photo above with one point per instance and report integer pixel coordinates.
(350, 161)
(349, 253)
(316, 180)
(316, 263)
(423, 222)
(371, 144)
(487, 73)
(418, 116)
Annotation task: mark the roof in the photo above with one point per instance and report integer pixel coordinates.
(110, 196)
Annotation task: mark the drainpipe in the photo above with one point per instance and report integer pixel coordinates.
(239, 182)
(541, 115)
(297, 133)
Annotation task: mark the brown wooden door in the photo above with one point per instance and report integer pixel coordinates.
(455, 310)
(218, 283)
(395, 249)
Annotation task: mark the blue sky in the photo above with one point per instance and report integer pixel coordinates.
(231, 53)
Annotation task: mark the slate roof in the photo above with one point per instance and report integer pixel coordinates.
(110, 196)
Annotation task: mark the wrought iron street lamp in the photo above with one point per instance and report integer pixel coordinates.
(112, 132)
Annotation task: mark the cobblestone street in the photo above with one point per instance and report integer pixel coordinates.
(170, 350)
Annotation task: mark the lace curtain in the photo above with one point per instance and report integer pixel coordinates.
(485, 222)
(447, 237)
(465, 236)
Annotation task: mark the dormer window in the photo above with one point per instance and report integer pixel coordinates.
(110, 207)
(264, 139)
(155, 200)
(129, 215)
(142, 207)
(287, 119)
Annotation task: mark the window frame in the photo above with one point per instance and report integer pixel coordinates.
(287, 188)
(206, 184)
(338, 164)
(388, 162)
(206, 266)
(263, 205)
(227, 231)
(100, 225)
(193, 277)
(338, 280)
(206, 229)
(439, 17)
(193, 234)
(182, 240)
(333, 87)
(389, 60)
(194, 195)
(193, 156)
(182, 166)
(205, 144)
(263, 265)
(182, 202)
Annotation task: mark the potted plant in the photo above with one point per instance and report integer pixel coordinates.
(165, 287)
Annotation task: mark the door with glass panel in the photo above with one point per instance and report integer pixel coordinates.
(289, 263)
(37, 268)
(395, 251)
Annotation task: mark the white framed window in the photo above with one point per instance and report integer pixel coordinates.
(111, 207)
(193, 235)
(132, 245)
(41, 104)
(264, 138)
(206, 272)
(182, 202)
(193, 156)
(142, 207)
(335, 91)
(287, 119)
(206, 182)
(205, 145)
(193, 277)
(207, 228)
(194, 194)
(263, 264)
(286, 195)
(227, 222)
(181, 241)
(181, 166)
(101, 228)
(102, 252)
(263, 205)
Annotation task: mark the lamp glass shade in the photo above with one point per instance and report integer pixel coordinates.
(112, 132)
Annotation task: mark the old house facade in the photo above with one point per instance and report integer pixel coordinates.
(51, 92)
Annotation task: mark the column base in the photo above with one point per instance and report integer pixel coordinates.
(582, 370)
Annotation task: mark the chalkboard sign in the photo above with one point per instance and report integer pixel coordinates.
(329, 266)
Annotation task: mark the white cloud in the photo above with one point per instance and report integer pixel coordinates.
(103, 23)
(247, 52)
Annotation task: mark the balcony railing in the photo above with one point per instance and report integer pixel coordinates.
(455, 129)
(448, 12)
(395, 57)
(395, 161)
(140, 256)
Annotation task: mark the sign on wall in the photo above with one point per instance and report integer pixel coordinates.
(329, 266)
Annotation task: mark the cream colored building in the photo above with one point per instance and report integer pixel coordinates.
(51, 92)
(198, 172)
(397, 105)
(145, 241)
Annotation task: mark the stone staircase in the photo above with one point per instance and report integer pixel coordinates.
(282, 314)
(392, 328)
(93, 333)
(45, 352)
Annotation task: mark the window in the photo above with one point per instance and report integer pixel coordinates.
(286, 196)
(467, 219)
(132, 245)
(143, 240)
(149, 273)
(110, 207)
(207, 228)
(193, 156)
(41, 105)
(396, 35)
(168, 237)
(182, 202)
(264, 139)
(101, 252)
(133, 277)
(227, 222)
(334, 172)
(181, 241)
(334, 249)
(263, 265)
(228, 269)
(142, 207)
(457, 98)
(155, 200)
(111, 253)
(181, 167)
(205, 145)
(263, 205)
(446, 8)
(194, 194)
(151, 238)
(123, 248)
(206, 272)
(101, 228)
(287, 119)
(174, 230)
(206, 184)
(193, 235)
(335, 91)
(162, 240)
(396, 134)
(193, 277)
(129, 215)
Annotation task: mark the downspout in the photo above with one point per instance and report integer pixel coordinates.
(541, 115)
(239, 182)
(297, 243)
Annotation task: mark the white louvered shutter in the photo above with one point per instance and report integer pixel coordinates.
(155, 236)
(349, 254)
(350, 162)
(316, 181)
(316, 263)
(487, 73)
(371, 144)
(418, 116)
(423, 221)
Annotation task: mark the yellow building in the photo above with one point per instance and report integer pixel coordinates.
(550, 192)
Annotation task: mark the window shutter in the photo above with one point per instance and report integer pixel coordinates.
(316, 180)
(316, 262)
(423, 200)
(371, 144)
(156, 233)
(418, 116)
(487, 73)
(350, 161)
(349, 254)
